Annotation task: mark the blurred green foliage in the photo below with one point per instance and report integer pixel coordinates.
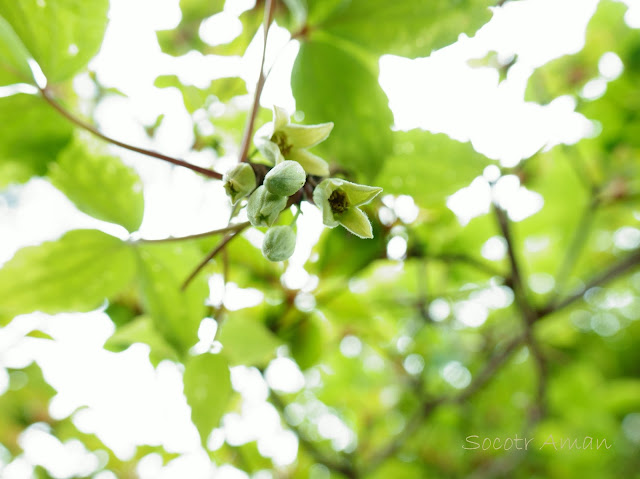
(556, 356)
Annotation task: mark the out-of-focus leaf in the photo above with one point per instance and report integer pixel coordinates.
(207, 386)
(26, 402)
(342, 254)
(75, 273)
(306, 339)
(177, 314)
(606, 32)
(141, 330)
(13, 57)
(331, 84)
(429, 166)
(246, 340)
(194, 98)
(30, 138)
(99, 185)
(411, 28)
(186, 36)
(62, 35)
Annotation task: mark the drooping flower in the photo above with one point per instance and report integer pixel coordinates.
(239, 182)
(340, 202)
(280, 140)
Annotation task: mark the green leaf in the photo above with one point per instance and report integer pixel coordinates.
(185, 36)
(411, 28)
(342, 254)
(14, 67)
(331, 84)
(31, 138)
(62, 35)
(177, 314)
(207, 386)
(607, 32)
(142, 330)
(429, 166)
(75, 273)
(246, 340)
(99, 185)
(194, 98)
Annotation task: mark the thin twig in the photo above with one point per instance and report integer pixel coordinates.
(85, 126)
(206, 234)
(577, 244)
(468, 260)
(621, 267)
(519, 291)
(262, 78)
(343, 467)
(428, 406)
(210, 256)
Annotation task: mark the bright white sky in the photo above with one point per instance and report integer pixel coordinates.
(128, 403)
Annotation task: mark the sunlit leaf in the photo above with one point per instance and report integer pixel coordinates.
(13, 57)
(62, 35)
(75, 273)
(361, 138)
(141, 330)
(411, 28)
(245, 340)
(429, 166)
(207, 386)
(31, 139)
(99, 185)
(177, 314)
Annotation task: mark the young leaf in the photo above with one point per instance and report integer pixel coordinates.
(207, 386)
(99, 185)
(75, 273)
(61, 35)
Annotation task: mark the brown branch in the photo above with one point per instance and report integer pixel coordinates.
(227, 229)
(262, 78)
(85, 126)
(211, 255)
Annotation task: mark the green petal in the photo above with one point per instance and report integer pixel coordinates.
(280, 118)
(360, 194)
(357, 222)
(306, 136)
(321, 198)
(312, 164)
(270, 151)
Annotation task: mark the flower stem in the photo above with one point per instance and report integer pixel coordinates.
(262, 78)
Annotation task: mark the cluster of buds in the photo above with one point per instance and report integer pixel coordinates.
(285, 145)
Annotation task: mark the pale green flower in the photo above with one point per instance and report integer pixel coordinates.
(239, 182)
(281, 140)
(340, 200)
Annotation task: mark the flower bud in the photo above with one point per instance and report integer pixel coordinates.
(239, 182)
(285, 179)
(263, 207)
(279, 243)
